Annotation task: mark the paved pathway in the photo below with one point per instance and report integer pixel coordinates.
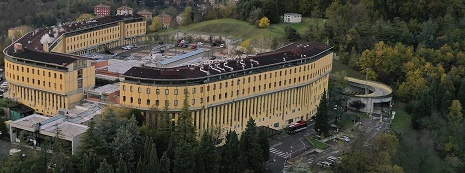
(279, 153)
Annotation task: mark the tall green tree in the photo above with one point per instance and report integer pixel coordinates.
(321, 118)
(186, 128)
(105, 167)
(206, 154)
(251, 150)
(151, 160)
(445, 102)
(3, 129)
(264, 144)
(93, 140)
(121, 166)
(231, 155)
(90, 162)
(423, 108)
(165, 163)
(184, 161)
(461, 93)
(127, 143)
(455, 116)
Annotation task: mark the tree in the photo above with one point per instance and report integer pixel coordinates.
(184, 161)
(251, 150)
(90, 162)
(121, 166)
(445, 102)
(455, 116)
(105, 167)
(264, 22)
(156, 25)
(246, 46)
(264, 145)
(207, 157)
(231, 154)
(187, 16)
(321, 118)
(165, 163)
(3, 129)
(186, 128)
(92, 140)
(151, 161)
(423, 108)
(461, 92)
(127, 143)
(357, 104)
(291, 33)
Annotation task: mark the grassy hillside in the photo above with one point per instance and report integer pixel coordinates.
(241, 29)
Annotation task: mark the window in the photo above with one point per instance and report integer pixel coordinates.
(167, 102)
(124, 98)
(167, 91)
(140, 90)
(148, 90)
(175, 102)
(38, 82)
(157, 102)
(124, 87)
(139, 101)
(208, 99)
(130, 88)
(157, 91)
(175, 91)
(132, 100)
(214, 86)
(61, 76)
(225, 95)
(208, 87)
(193, 90)
(49, 74)
(201, 89)
(193, 101)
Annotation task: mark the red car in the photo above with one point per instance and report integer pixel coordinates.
(193, 47)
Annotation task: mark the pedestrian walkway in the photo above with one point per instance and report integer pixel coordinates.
(279, 153)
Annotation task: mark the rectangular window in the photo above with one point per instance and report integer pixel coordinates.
(138, 101)
(157, 91)
(132, 100)
(140, 90)
(124, 87)
(175, 102)
(124, 98)
(148, 90)
(167, 91)
(175, 91)
(193, 90)
(55, 75)
(167, 102)
(193, 101)
(157, 102)
(130, 88)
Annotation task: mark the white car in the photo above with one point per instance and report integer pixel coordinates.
(1, 69)
(222, 45)
(344, 138)
(13, 151)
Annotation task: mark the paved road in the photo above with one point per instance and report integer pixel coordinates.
(286, 147)
(4, 150)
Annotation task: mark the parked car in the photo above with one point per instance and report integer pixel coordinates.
(222, 45)
(344, 138)
(332, 159)
(128, 47)
(160, 42)
(185, 46)
(193, 47)
(199, 44)
(1, 69)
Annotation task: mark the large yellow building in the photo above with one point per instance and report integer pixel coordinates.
(275, 88)
(44, 70)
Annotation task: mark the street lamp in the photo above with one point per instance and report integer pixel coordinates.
(366, 81)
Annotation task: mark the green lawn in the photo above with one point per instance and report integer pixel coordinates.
(339, 66)
(316, 143)
(402, 120)
(241, 29)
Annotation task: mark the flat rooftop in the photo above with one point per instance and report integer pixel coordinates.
(291, 52)
(29, 121)
(106, 89)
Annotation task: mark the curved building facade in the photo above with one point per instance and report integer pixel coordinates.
(274, 88)
(44, 70)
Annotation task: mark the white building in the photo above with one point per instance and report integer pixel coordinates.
(292, 18)
(124, 10)
(37, 129)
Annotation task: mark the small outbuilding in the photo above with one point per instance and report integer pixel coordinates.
(292, 18)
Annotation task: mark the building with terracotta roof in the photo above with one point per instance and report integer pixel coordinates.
(124, 10)
(102, 10)
(166, 20)
(146, 14)
(275, 88)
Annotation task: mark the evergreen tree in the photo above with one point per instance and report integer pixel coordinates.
(185, 128)
(436, 94)
(151, 161)
(264, 145)
(321, 118)
(165, 163)
(251, 150)
(92, 140)
(3, 129)
(90, 162)
(121, 166)
(423, 108)
(445, 102)
(140, 168)
(207, 157)
(231, 162)
(184, 161)
(105, 167)
(128, 142)
(461, 93)
(171, 150)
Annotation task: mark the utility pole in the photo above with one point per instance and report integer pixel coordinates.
(366, 81)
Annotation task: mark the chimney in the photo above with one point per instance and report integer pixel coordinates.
(18, 47)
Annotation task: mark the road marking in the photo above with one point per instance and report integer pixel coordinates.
(279, 153)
